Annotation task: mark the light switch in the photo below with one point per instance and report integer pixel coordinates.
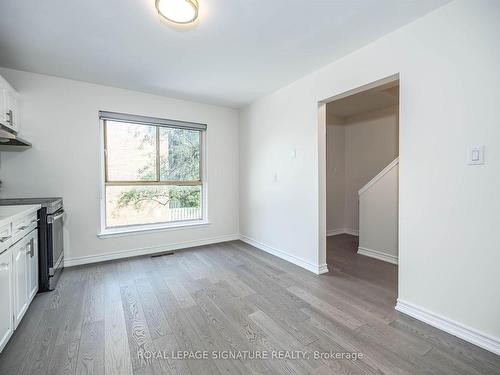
(475, 155)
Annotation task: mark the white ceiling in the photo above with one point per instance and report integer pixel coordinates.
(365, 101)
(236, 52)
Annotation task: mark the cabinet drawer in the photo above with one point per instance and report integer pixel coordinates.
(5, 231)
(5, 236)
(23, 226)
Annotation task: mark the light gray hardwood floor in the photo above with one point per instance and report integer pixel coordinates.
(108, 318)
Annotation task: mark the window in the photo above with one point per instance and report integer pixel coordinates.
(153, 171)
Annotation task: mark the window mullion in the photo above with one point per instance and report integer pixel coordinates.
(158, 154)
(200, 162)
(105, 140)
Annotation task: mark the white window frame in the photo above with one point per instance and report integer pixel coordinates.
(141, 228)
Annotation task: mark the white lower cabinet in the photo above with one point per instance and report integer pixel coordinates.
(6, 298)
(25, 254)
(18, 269)
(21, 276)
(33, 265)
(18, 283)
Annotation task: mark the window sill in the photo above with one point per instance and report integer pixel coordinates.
(143, 229)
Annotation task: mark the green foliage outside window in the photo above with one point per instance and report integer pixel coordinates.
(179, 161)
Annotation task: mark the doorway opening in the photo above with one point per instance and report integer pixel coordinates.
(361, 183)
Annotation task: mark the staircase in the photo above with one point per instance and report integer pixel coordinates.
(378, 215)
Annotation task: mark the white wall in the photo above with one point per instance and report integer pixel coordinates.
(335, 175)
(371, 143)
(59, 117)
(448, 63)
(378, 216)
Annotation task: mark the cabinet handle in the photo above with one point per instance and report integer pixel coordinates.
(51, 219)
(23, 227)
(28, 248)
(9, 113)
(31, 248)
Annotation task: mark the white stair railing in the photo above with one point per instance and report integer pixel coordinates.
(379, 176)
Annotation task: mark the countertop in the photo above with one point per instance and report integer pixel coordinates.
(11, 213)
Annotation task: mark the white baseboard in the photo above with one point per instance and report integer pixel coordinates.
(317, 269)
(334, 232)
(323, 269)
(468, 334)
(378, 255)
(146, 250)
(352, 232)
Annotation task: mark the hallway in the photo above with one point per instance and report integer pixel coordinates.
(342, 256)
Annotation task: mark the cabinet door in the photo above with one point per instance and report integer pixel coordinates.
(6, 298)
(21, 277)
(3, 103)
(12, 110)
(33, 265)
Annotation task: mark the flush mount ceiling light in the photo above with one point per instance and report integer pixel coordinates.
(178, 11)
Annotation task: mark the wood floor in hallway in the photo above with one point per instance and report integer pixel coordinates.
(130, 316)
(342, 256)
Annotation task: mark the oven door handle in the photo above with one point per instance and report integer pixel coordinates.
(51, 219)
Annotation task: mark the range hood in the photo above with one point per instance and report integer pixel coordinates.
(9, 141)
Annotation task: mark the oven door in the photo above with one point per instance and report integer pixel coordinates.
(55, 251)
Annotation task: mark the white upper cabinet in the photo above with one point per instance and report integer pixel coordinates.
(3, 102)
(9, 106)
(12, 111)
